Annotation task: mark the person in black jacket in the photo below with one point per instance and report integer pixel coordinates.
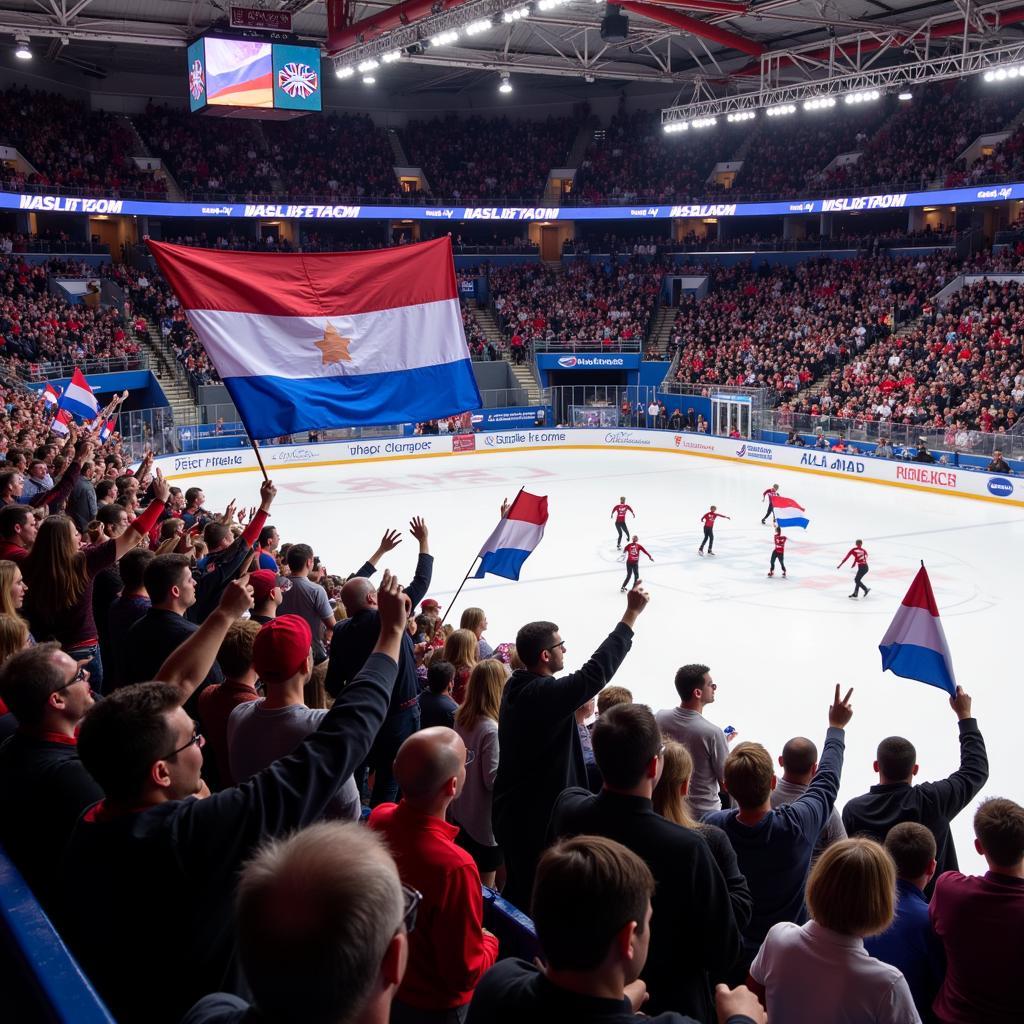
(694, 936)
(44, 786)
(151, 870)
(933, 804)
(352, 642)
(540, 745)
(592, 908)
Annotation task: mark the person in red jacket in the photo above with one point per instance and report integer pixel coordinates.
(633, 550)
(778, 554)
(860, 562)
(708, 519)
(769, 496)
(621, 530)
(450, 950)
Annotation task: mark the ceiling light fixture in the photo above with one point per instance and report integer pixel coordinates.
(22, 51)
(506, 85)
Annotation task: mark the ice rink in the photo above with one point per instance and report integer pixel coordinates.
(776, 647)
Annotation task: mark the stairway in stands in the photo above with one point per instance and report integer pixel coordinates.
(172, 378)
(661, 331)
(524, 375)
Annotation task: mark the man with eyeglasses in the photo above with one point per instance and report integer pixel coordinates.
(450, 952)
(44, 787)
(540, 745)
(324, 925)
(152, 928)
(695, 937)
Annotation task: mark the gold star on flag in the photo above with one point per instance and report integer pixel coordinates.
(333, 346)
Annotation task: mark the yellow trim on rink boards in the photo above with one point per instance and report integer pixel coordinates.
(924, 488)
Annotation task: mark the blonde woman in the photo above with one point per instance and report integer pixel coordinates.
(12, 588)
(460, 649)
(476, 722)
(475, 621)
(820, 971)
(670, 802)
(13, 638)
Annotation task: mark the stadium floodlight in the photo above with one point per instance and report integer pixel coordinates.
(22, 51)
(674, 127)
(781, 110)
(344, 72)
(867, 96)
(905, 96)
(474, 28)
(517, 14)
(1002, 74)
(741, 115)
(819, 103)
(391, 56)
(367, 66)
(444, 38)
(506, 84)
(369, 80)
(704, 122)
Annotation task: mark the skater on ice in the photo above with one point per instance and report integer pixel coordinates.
(860, 562)
(621, 530)
(633, 550)
(779, 553)
(708, 519)
(769, 496)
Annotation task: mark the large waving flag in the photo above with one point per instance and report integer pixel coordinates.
(789, 518)
(320, 340)
(914, 645)
(515, 537)
(78, 398)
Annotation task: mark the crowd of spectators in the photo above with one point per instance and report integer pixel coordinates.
(71, 146)
(476, 158)
(783, 327)
(38, 327)
(665, 866)
(961, 368)
(634, 161)
(591, 303)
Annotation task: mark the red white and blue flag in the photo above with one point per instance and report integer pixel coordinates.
(514, 538)
(319, 340)
(60, 422)
(789, 518)
(78, 398)
(914, 645)
(51, 396)
(106, 430)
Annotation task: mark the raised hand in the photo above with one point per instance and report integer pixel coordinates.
(161, 488)
(841, 711)
(393, 605)
(267, 494)
(390, 541)
(961, 703)
(237, 597)
(418, 528)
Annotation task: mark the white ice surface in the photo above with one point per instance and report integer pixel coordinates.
(776, 647)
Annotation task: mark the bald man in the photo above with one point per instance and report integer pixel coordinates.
(450, 950)
(354, 639)
(799, 764)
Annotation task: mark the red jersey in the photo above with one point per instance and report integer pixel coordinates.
(769, 494)
(708, 519)
(780, 544)
(633, 552)
(860, 557)
(620, 512)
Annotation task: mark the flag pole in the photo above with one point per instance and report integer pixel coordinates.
(451, 604)
(256, 451)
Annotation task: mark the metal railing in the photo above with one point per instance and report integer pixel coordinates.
(949, 439)
(575, 345)
(42, 371)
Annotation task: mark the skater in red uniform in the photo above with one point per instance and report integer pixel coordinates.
(769, 496)
(633, 550)
(621, 530)
(708, 519)
(860, 562)
(778, 555)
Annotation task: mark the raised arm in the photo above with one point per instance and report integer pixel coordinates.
(62, 490)
(420, 584)
(144, 523)
(390, 541)
(954, 793)
(189, 664)
(252, 532)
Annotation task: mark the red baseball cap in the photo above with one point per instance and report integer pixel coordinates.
(428, 603)
(280, 648)
(262, 582)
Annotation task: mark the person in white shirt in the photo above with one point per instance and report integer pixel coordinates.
(820, 971)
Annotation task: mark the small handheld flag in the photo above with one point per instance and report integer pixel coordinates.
(60, 422)
(791, 518)
(106, 430)
(914, 645)
(515, 537)
(51, 396)
(78, 398)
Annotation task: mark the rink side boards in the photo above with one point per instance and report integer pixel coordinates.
(936, 479)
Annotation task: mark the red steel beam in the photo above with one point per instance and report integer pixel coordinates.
(695, 27)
